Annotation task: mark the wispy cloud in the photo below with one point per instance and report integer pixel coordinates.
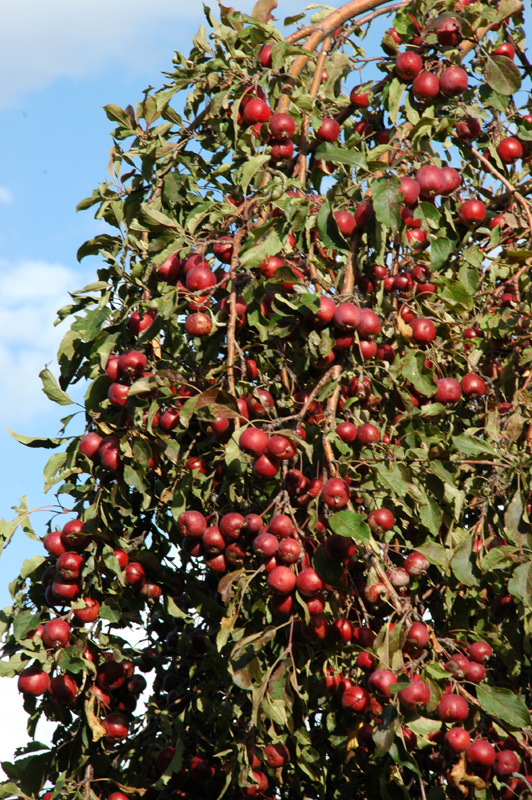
(31, 292)
(6, 196)
(66, 39)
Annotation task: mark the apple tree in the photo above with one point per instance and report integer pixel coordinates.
(290, 555)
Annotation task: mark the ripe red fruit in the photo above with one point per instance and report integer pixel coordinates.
(201, 769)
(346, 222)
(426, 86)
(408, 65)
(458, 665)
(398, 577)
(369, 324)
(89, 444)
(33, 680)
(409, 188)
(380, 520)
(198, 324)
(265, 466)
(468, 128)
(253, 441)
(56, 633)
(53, 543)
(109, 452)
(335, 493)
(505, 49)
(200, 278)
(451, 180)
(213, 541)
(89, 612)
(132, 363)
(63, 690)
(359, 97)
(417, 635)
(276, 755)
(449, 32)
(282, 126)
(73, 535)
(326, 311)
(329, 130)
(509, 150)
(135, 574)
(308, 582)
(368, 434)
(339, 547)
(448, 392)
(473, 385)
(457, 739)
(192, 524)
(281, 447)
(416, 564)
(480, 651)
(475, 672)
(265, 545)
(381, 680)
(69, 565)
(472, 212)
(262, 404)
(356, 699)
(223, 249)
(423, 330)
(414, 696)
(140, 321)
(256, 110)
(506, 762)
(453, 708)
(265, 56)
(453, 81)
(430, 181)
(346, 316)
(231, 524)
(480, 753)
(170, 269)
(282, 580)
(116, 726)
(346, 431)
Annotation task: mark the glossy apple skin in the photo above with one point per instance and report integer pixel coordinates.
(33, 680)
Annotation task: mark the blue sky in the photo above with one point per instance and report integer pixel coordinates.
(60, 62)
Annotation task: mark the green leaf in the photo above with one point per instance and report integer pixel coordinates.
(387, 201)
(462, 564)
(514, 514)
(36, 441)
(395, 88)
(413, 368)
(505, 705)
(338, 155)
(249, 169)
(468, 445)
(520, 584)
(502, 75)
(350, 524)
(52, 389)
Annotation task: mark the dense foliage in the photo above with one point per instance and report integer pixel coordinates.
(304, 482)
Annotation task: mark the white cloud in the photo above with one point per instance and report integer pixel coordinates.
(31, 292)
(41, 42)
(15, 734)
(6, 196)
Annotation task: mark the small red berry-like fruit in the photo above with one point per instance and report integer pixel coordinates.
(480, 651)
(380, 520)
(453, 81)
(426, 86)
(198, 324)
(265, 56)
(381, 680)
(448, 392)
(329, 130)
(335, 493)
(468, 128)
(408, 65)
(472, 212)
(416, 564)
(409, 188)
(256, 110)
(33, 680)
(282, 580)
(414, 696)
(449, 32)
(480, 753)
(347, 432)
(56, 633)
(453, 708)
(457, 739)
(282, 126)
(430, 180)
(506, 762)
(356, 700)
(140, 321)
(505, 49)
(423, 330)
(359, 97)
(368, 434)
(417, 635)
(346, 222)
(473, 385)
(308, 582)
(510, 149)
